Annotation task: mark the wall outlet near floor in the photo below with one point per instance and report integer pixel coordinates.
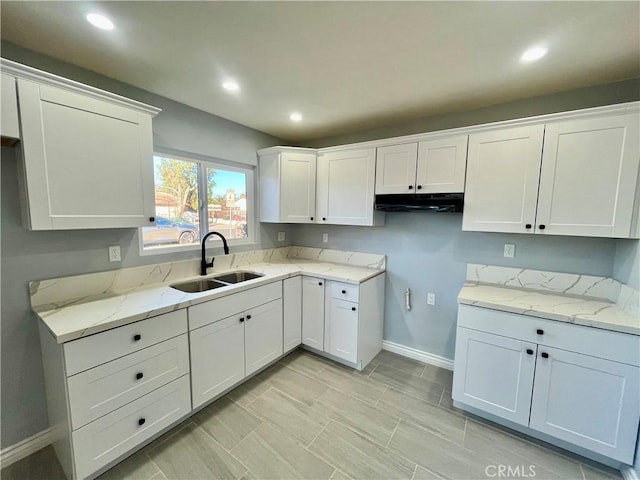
(281, 236)
(431, 298)
(114, 253)
(509, 250)
(325, 237)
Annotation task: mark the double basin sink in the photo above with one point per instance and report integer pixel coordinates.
(218, 281)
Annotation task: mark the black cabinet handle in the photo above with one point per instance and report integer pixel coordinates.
(241, 319)
(527, 226)
(311, 218)
(137, 337)
(410, 187)
(344, 291)
(248, 317)
(324, 218)
(152, 219)
(540, 331)
(541, 227)
(139, 375)
(320, 283)
(141, 421)
(419, 187)
(353, 309)
(529, 351)
(544, 355)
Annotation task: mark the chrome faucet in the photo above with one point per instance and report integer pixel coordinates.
(203, 263)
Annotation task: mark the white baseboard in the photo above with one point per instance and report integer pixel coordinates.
(24, 448)
(419, 355)
(629, 473)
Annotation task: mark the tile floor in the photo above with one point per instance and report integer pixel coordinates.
(308, 418)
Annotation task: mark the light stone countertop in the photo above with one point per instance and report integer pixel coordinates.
(100, 312)
(586, 311)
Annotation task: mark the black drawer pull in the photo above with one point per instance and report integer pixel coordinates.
(241, 319)
(141, 421)
(248, 317)
(324, 218)
(540, 331)
(527, 226)
(544, 355)
(529, 351)
(353, 309)
(139, 375)
(541, 227)
(410, 187)
(311, 218)
(320, 283)
(137, 337)
(152, 219)
(344, 291)
(419, 187)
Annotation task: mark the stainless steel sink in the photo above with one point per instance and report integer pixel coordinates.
(237, 277)
(196, 286)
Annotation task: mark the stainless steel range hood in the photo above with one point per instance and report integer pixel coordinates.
(425, 202)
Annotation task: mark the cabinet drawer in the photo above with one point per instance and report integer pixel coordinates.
(209, 312)
(103, 389)
(103, 347)
(620, 347)
(344, 291)
(104, 440)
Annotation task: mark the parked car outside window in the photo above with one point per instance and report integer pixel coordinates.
(168, 231)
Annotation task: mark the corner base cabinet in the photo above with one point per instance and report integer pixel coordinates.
(577, 385)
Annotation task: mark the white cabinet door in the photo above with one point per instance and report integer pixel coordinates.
(313, 312)
(346, 181)
(262, 335)
(341, 329)
(589, 176)
(442, 165)
(292, 312)
(298, 183)
(503, 169)
(88, 163)
(396, 168)
(9, 105)
(494, 374)
(217, 358)
(587, 401)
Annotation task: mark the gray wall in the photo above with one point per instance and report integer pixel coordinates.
(595, 96)
(626, 267)
(429, 252)
(27, 255)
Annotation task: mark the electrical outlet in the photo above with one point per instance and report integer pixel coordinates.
(325, 237)
(281, 236)
(114, 253)
(509, 250)
(431, 298)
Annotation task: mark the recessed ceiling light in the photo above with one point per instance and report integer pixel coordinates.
(533, 54)
(100, 21)
(295, 117)
(231, 86)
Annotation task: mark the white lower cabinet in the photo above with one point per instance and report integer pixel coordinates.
(313, 312)
(217, 358)
(341, 329)
(291, 313)
(551, 378)
(225, 351)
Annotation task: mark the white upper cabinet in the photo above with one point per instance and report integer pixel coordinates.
(396, 168)
(584, 182)
(87, 154)
(442, 165)
(9, 115)
(287, 185)
(346, 188)
(589, 177)
(431, 166)
(503, 168)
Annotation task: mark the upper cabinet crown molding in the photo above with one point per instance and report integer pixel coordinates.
(25, 72)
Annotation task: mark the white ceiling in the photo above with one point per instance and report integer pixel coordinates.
(346, 66)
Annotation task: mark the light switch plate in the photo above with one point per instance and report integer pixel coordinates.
(509, 250)
(281, 236)
(325, 237)
(114, 253)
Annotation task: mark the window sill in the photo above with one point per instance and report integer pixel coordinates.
(160, 250)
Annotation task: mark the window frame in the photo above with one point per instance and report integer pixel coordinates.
(203, 204)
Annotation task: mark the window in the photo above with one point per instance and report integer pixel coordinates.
(194, 198)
